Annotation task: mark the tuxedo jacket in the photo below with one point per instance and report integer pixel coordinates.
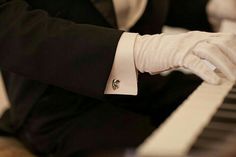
(71, 44)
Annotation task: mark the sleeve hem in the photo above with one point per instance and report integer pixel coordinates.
(123, 69)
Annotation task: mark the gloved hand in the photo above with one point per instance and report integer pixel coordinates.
(157, 53)
(219, 10)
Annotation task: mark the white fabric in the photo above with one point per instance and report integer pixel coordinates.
(128, 12)
(123, 68)
(219, 10)
(157, 53)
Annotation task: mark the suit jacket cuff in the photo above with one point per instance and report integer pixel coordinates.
(123, 76)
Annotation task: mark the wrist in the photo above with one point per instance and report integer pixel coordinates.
(140, 52)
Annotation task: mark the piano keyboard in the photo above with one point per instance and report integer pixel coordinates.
(207, 116)
(204, 122)
(221, 128)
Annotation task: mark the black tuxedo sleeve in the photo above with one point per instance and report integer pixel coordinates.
(54, 51)
(190, 14)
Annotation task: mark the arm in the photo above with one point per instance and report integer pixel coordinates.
(55, 51)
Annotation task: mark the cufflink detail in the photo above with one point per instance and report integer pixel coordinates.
(115, 84)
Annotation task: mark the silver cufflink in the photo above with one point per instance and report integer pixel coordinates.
(115, 84)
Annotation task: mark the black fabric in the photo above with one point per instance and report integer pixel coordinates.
(82, 12)
(190, 14)
(153, 18)
(37, 50)
(55, 65)
(62, 124)
(82, 125)
(1, 1)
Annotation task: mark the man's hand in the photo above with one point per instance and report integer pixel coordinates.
(219, 10)
(157, 53)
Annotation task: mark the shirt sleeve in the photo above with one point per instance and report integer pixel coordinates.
(123, 76)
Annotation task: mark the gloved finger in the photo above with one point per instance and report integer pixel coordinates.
(215, 56)
(201, 69)
(227, 46)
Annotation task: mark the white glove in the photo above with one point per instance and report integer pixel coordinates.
(157, 53)
(219, 10)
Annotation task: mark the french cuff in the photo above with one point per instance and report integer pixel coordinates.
(123, 76)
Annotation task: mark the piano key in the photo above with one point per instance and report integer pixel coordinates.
(228, 106)
(206, 145)
(176, 136)
(214, 140)
(231, 98)
(231, 101)
(214, 133)
(213, 137)
(231, 95)
(234, 87)
(233, 91)
(210, 145)
(227, 113)
(224, 120)
(199, 151)
(221, 126)
(225, 116)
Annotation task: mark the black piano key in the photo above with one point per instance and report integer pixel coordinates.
(233, 91)
(214, 135)
(221, 126)
(197, 150)
(205, 148)
(224, 120)
(230, 98)
(225, 116)
(228, 107)
(234, 87)
(231, 95)
(205, 144)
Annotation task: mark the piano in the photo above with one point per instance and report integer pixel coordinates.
(203, 126)
(203, 123)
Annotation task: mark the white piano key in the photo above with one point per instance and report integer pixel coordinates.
(176, 136)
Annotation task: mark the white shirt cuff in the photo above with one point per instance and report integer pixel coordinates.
(123, 76)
